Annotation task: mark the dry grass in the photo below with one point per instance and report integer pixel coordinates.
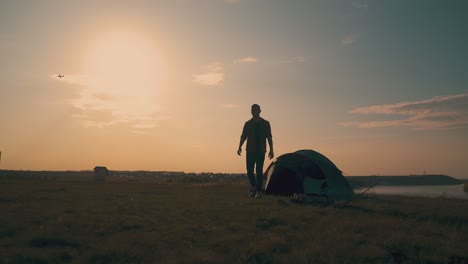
(118, 222)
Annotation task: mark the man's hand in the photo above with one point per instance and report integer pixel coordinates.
(239, 151)
(271, 154)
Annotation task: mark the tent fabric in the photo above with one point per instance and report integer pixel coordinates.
(309, 172)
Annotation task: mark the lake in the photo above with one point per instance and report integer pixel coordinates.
(449, 191)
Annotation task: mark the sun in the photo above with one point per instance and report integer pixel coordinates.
(124, 72)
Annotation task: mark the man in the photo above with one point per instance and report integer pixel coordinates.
(256, 131)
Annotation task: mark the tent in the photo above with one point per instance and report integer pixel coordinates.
(306, 172)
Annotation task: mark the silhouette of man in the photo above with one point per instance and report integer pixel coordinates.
(256, 131)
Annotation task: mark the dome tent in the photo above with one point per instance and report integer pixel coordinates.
(306, 172)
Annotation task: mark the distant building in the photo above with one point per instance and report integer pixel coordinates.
(100, 173)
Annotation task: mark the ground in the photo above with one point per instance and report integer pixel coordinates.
(122, 221)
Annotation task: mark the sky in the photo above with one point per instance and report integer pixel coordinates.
(379, 87)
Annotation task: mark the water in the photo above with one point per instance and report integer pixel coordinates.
(449, 191)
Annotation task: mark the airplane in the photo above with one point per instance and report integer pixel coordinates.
(60, 76)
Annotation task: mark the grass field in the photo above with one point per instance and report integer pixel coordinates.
(80, 221)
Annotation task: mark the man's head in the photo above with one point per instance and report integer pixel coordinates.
(256, 110)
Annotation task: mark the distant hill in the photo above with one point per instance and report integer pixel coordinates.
(363, 181)
(463, 180)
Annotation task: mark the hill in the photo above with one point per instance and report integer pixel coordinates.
(362, 181)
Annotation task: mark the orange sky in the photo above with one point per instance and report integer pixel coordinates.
(168, 85)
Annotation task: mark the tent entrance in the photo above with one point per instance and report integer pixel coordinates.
(283, 181)
(313, 179)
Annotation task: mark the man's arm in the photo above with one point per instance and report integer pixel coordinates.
(242, 139)
(241, 142)
(270, 142)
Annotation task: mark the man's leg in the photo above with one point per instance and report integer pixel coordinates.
(260, 159)
(250, 160)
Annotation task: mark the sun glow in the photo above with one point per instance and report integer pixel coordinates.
(123, 72)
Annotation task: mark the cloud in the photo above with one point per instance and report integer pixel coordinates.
(442, 112)
(230, 106)
(98, 124)
(349, 40)
(360, 4)
(284, 60)
(101, 104)
(297, 59)
(141, 132)
(78, 79)
(246, 60)
(196, 2)
(213, 75)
